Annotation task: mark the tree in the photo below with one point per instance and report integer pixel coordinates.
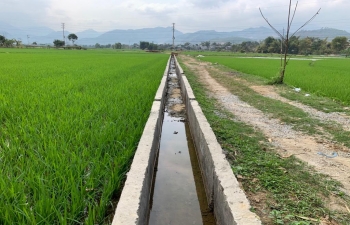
(293, 45)
(58, 43)
(97, 45)
(9, 43)
(339, 44)
(187, 45)
(270, 45)
(34, 43)
(285, 39)
(144, 45)
(305, 46)
(118, 45)
(152, 46)
(72, 37)
(18, 42)
(227, 44)
(2, 40)
(206, 44)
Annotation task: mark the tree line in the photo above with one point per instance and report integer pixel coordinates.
(297, 45)
(4, 42)
(305, 46)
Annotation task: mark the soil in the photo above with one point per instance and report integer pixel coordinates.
(174, 105)
(286, 140)
(339, 118)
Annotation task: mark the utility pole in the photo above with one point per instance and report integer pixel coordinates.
(173, 36)
(28, 38)
(64, 38)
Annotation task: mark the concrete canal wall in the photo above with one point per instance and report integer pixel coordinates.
(222, 188)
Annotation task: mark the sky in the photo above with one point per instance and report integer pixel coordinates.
(188, 15)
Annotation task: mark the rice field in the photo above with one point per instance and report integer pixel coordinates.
(70, 122)
(325, 77)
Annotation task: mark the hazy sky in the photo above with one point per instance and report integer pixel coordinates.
(189, 15)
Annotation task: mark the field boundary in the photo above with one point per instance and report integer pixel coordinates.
(133, 206)
(230, 203)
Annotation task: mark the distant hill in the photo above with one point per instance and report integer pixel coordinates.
(157, 35)
(257, 34)
(9, 30)
(251, 34)
(34, 33)
(88, 34)
(323, 33)
(233, 40)
(37, 31)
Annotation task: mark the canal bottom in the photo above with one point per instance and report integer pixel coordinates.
(179, 196)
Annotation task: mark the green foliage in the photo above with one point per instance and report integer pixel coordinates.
(2, 40)
(72, 37)
(339, 44)
(152, 46)
(305, 46)
(118, 45)
(70, 123)
(270, 45)
(206, 44)
(8, 43)
(146, 45)
(58, 43)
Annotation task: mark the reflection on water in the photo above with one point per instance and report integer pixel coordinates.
(178, 192)
(175, 199)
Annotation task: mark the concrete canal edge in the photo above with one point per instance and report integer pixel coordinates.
(231, 207)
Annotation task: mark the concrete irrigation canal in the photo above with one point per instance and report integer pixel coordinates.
(179, 175)
(178, 189)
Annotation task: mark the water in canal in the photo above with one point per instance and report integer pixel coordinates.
(178, 196)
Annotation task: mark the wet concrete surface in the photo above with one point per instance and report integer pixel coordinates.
(178, 196)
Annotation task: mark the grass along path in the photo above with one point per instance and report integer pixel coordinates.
(334, 117)
(278, 187)
(326, 77)
(287, 113)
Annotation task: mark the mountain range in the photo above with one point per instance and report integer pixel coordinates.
(158, 35)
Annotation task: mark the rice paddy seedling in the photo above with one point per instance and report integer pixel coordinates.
(70, 122)
(325, 77)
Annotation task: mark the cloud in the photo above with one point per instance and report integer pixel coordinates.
(189, 15)
(22, 13)
(156, 8)
(208, 3)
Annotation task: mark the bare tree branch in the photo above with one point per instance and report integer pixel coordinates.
(286, 39)
(296, 6)
(307, 22)
(276, 31)
(288, 25)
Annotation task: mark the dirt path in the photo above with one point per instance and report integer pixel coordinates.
(341, 119)
(286, 140)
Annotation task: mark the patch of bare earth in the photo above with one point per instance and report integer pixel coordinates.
(174, 106)
(340, 118)
(287, 141)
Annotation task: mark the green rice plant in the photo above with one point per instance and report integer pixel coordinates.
(70, 122)
(326, 77)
